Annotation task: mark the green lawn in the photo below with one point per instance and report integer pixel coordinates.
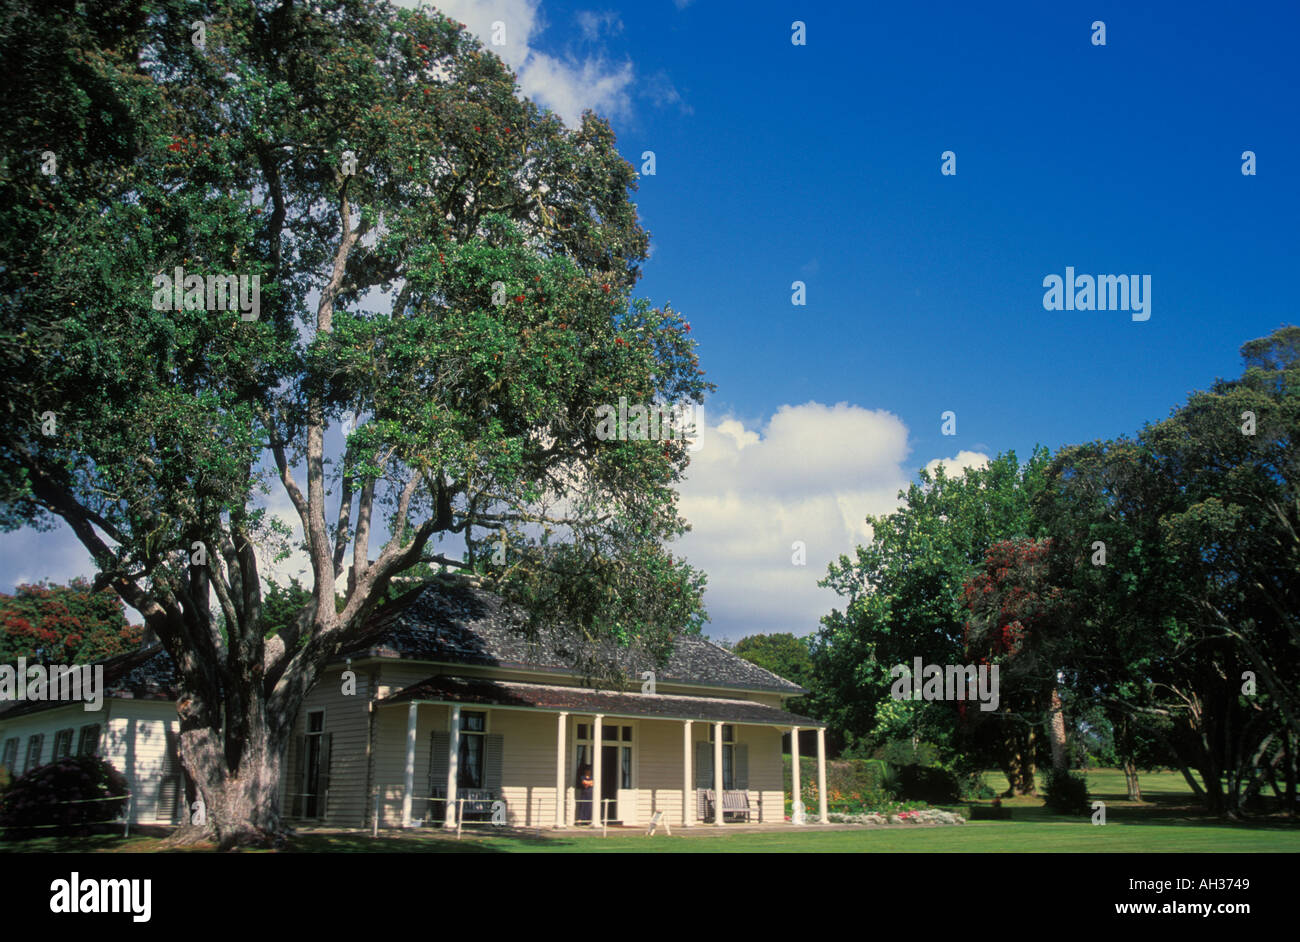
(1050, 836)
(1167, 820)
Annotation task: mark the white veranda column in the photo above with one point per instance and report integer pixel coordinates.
(717, 774)
(408, 784)
(795, 791)
(453, 764)
(688, 793)
(560, 791)
(821, 776)
(597, 814)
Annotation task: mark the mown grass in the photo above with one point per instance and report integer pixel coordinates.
(1167, 820)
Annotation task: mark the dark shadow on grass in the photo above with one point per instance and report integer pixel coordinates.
(142, 839)
(1161, 811)
(497, 841)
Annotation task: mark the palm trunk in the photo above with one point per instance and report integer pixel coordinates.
(1060, 757)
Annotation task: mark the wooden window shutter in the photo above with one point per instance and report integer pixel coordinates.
(438, 746)
(34, 746)
(438, 760)
(323, 782)
(494, 761)
(88, 744)
(704, 765)
(740, 770)
(299, 780)
(62, 743)
(169, 790)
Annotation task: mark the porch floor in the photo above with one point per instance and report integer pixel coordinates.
(697, 830)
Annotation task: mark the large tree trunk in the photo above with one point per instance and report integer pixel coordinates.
(241, 806)
(1126, 748)
(1131, 780)
(1289, 769)
(233, 748)
(1018, 752)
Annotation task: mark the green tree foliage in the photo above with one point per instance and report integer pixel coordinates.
(282, 603)
(784, 655)
(1015, 614)
(64, 624)
(438, 325)
(1066, 792)
(904, 596)
(1201, 585)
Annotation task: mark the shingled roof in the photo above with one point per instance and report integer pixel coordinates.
(142, 674)
(451, 621)
(477, 690)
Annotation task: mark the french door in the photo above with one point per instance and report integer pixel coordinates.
(616, 769)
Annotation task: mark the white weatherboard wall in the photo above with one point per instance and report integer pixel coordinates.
(347, 721)
(47, 723)
(390, 759)
(132, 738)
(135, 742)
(766, 769)
(528, 764)
(658, 773)
(660, 766)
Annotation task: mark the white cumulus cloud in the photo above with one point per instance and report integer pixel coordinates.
(566, 83)
(964, 461)
(810, 476)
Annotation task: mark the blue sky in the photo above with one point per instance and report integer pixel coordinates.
(821, 163)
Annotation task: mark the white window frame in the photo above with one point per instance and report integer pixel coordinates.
(65, 734)
(487, 728)
(728, 752)
(575, 741)
(81, 739)
(28, 762)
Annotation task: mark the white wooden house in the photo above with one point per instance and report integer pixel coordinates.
(444, 707)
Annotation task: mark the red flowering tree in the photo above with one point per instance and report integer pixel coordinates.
(68, 624)
(1014, 612)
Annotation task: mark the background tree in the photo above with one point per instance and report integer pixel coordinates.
(282, 603)
(1015, 614)
(904, 595)
(1235, 449)
(1198, 518)
(784, 655)
(446, 314)
(64, 624)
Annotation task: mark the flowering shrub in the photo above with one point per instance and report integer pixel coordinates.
(59, 798)
(853, 786)
(930, 816)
